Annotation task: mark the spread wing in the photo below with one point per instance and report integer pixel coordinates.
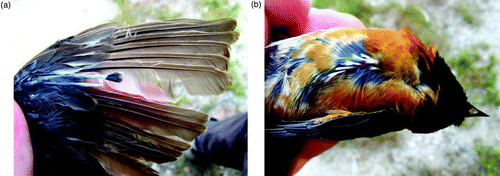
(88, 93)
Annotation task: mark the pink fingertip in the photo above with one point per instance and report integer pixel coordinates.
(147, 90)
(284, 14)
(144, 90)
(325, 18)
(153, 92)
(23, 153)
(266, 30)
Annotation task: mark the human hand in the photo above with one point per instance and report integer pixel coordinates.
(293, 18)
(23, 153)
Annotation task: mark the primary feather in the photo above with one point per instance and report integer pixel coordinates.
(345, 72)
(82, 95)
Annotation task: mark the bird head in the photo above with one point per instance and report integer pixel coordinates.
(450, 105)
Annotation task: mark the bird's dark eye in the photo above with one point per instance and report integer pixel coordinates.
(472, 111)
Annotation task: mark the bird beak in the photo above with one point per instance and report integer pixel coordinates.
(474, 112)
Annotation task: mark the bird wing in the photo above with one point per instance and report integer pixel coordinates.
(94, 82)
(299, 68)
(355, 125)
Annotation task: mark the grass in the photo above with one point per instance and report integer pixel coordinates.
(136, 13)
(471, 76)
(359, 8)
(238, 86)
(126, 14)
(466, 11)
(488, 161)
(165, 13)
(217, 9)
(415, 20)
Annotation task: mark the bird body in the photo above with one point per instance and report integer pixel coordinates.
(343, 72)
(87, 106)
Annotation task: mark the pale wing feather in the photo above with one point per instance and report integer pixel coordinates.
(175, 58)
(120, 165)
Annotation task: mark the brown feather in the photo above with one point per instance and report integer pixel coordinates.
(120, 165)
(193, 52)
